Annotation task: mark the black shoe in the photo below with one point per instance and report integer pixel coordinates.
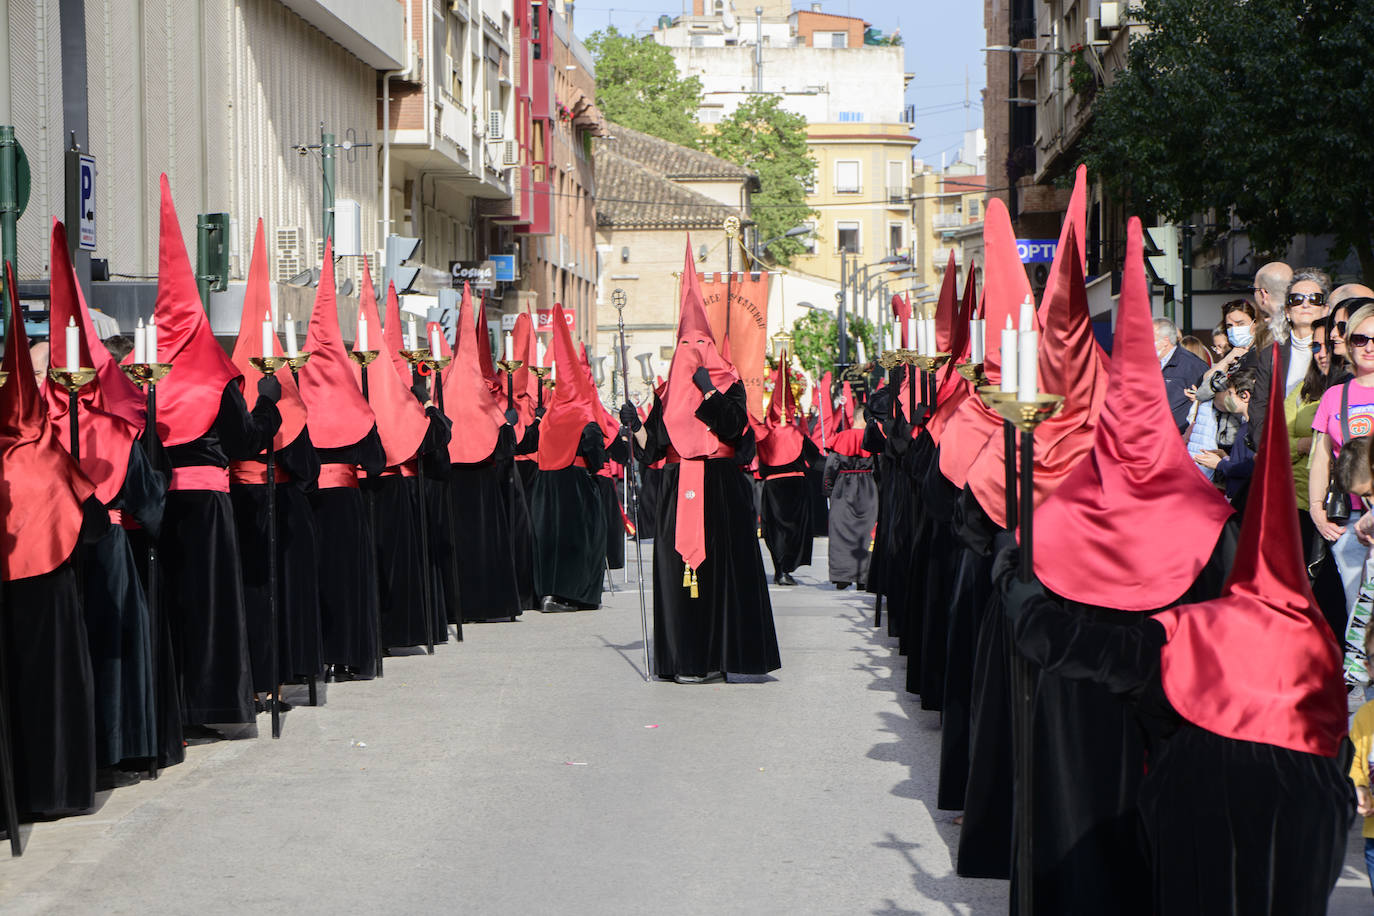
(841, 586)
(552, 605)
(195, 735)
(784, 579)
(709, 677)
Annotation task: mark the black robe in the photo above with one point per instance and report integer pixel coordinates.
(570, 528)
(47, 669)
(609, 488)
(728, 627)
(520, 475)
(938, 562)
(650, 485)
(401, 576)
(299, 643)
(786, 510)
(118, 621)
(1230, 826)
(203, 573)
(488, 580)
(348, 570)
(968, 602)
(890, 568)
(853, 512)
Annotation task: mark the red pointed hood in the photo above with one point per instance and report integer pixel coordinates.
(610, 426)
(188, 398)
(848, 407)
(696, 346)
(1005, 287)
(41, 488)
(1075, 221)
(901, 311)
(526, 383)
(826, 408)
(257, 301)
(394, 338)
(574, 402)
(1109, 536)
(495, 383)
(1071, 364)
(783, 442)
(953, 387)
(401, 421)
(1260, 663)
(339, 416)
(477, 420)
(112, 411)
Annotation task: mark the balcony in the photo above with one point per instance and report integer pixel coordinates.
(897, 198)
(947, 220)
(940, 257)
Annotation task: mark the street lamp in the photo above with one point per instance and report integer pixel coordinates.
(792, 233)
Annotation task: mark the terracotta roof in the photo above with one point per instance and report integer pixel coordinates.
(631, 195)
(671, 160)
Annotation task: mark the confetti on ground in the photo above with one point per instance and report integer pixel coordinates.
(574, 763)
(651, 726)
(360, 744)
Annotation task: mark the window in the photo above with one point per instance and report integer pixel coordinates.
(698, 41)
(830, 40)
(847, 177)
(896, 239)
(847, 236)
(813, 180)
(709, 115)
(896, 183)
(973, 208)
(850, 117)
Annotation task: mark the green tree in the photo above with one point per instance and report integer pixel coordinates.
(816, 340)
(762, 136)
(1259, 108)
(637, 85)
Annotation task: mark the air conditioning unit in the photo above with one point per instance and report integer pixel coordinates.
(289, 246)
(511, 154)
(289, 239)
(496, 125)
(287, 266)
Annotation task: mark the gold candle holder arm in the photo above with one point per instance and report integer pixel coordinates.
(972, 372)
(363, 358)
(297, 361)
(932, 361)
(439, 362)
(1024, 415)
(268, 365)
(72, 379)
(415, 357)
(509, 365)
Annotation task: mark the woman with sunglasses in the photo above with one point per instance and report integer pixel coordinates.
(1331, 427)
(1300, 408)
(1304, 305)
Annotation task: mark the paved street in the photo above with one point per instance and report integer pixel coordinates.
(531, 770)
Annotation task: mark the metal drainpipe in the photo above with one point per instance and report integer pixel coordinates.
(758, 49)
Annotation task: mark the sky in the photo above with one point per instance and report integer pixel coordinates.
(942, 39)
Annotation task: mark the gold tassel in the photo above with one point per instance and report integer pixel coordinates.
(686, 575)
(694, 583)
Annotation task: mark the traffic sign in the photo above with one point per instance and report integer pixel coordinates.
(1036, 251)
(86, 179)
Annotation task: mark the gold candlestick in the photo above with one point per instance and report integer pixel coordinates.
(4, 377)
(72, 379)
(363, 358)
(973, 372)
(1024, 415)
(932, 362)
(415, 357)
(297, 361)
(509, 365)
(268, 365)
(439, 362)
(888, 359)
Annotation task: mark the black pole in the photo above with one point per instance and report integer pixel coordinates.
(75, 424)
(911, 394)
(844, 281)
(6, 751)
(272, 583)
(1009, 453)
(156, 624)
(426, 592)
(310, 678)
(452, 530)
(1023, 696)
(370, 497)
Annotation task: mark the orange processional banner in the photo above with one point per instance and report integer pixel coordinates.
(748, 326)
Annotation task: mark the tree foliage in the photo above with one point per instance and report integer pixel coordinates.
(762, 136)
(816, 340)
(637, 85)
(1257, 107)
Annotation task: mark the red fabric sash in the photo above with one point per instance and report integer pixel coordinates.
(200, 477)
(781, 476)
(338, 475)
(243, 473)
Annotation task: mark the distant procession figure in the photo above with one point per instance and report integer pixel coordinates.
(785, 454)
(712, 614)
(853, 505)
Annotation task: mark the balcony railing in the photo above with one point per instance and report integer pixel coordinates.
(896, 196)
(947, 220)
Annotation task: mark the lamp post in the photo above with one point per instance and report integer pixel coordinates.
(794, 232)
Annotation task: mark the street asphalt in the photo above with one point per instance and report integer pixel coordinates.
(532, 770)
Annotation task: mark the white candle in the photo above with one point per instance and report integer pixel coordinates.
(980, 341)
(1008, 358)
(73, 346)
(541, 353)
(140, 343)
(510, 346)
(910, 332)
(863, 359)
(151, 333)
(920, 335)
(1027, 322)
(410, 335)
(434, 350)
(932, 341)
(1028, 361)
(267, 334)
(361, 343)
(291, 350)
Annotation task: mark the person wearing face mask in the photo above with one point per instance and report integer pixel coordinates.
(1238, 322)
(1182, 370)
